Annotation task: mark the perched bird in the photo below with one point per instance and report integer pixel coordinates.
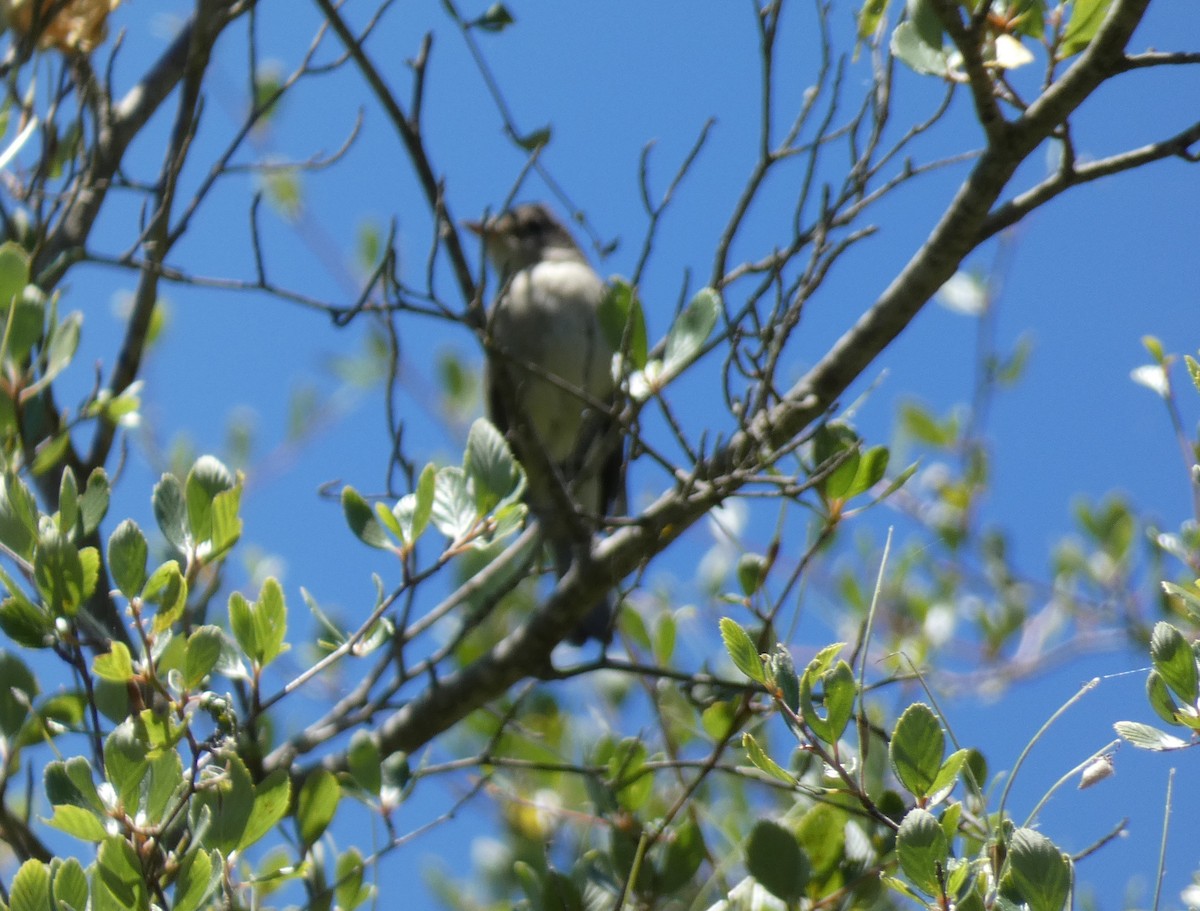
(549, 381)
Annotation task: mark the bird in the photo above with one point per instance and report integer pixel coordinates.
(549, 384)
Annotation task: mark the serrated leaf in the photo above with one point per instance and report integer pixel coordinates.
(763, 762)
(168, 589)
(1145, 737)
(125, 762)
(916, 749)
(922, 850)
(30, 889)
(18, 517)
(70, 886)
(270, 618)
(489, 463)
(127, 553)
(742, 650)
(204, 647)
(78, 823)
(454, 513)
(1175, 661)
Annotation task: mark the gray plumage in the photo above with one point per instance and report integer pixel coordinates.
(551, 376)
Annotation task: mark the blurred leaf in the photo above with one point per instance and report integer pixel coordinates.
(167, 588)
(691, 330)
(195, 882)
(30, 890)
(14, 272)
(316, 804)
(64, 342)
(619, 309)
(59, 573)
(1086, 17)
(495, 19)
(115, 665)
(909, 47)
(18, 689)
(272, 796)
(774, 858)
(362, 520)
(751, 571)
(765, 763)
(204, 647)
(18, 516)
(365, 762)
(534, 140)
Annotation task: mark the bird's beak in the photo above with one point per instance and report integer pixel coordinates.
(475, 227)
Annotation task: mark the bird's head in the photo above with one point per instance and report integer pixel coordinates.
(524, 236)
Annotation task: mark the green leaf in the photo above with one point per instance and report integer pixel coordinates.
(922, 850)
(25, 623)
(535, 139)
(241, 622)
(18, 517)
(1161, 700)
(226, 523)
(489, 463)
(167, 783)
(167, 588)
(71, 783)
(916, 750)
(751, 572)
(1040, 871)
(774, 858)
(619, 309)
(195, 881)
(365, 762)
(127, 552)
(909, 47)
(316, 804)
(691, 330)
(30, 890)
(68, 503)
(1086, 17)
(125, 762)
(78, 823)
(270, 615)
(947, 776)
(204, 647)
(115, 665)
(454, 513)
(228, 800)
(117, 882)
(1174, 659)
(684, 854)
(742, 650)
(840, 692)
(18, 689)
(870, 16)
(64, 342)
(765, 763)
(93, 504)
(170, 511)
(1193, 369)
(1145, 737)
(207, 478)
(350, 891)
(70, 886)
(14, 271)
(362, 521)
(495, 19)
(271, 799)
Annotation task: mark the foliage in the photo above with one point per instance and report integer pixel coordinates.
(155, 706)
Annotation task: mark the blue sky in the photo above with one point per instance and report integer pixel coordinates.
(1089, 275)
